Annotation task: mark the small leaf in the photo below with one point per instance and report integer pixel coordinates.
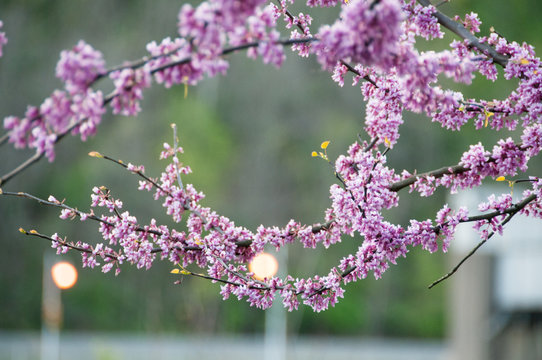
(387, 142)
(95, 154)
(500, 178)
(325, 144)
(314, 154)
(33, 232)
(488, 115)
(175, 271)
(185, 272)
(524, 61)
(22, 230)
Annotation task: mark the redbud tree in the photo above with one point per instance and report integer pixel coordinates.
(372, 44)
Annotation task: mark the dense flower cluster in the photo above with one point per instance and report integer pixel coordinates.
(79, 109)
(366, 33)
(79, 67)
(374, 40)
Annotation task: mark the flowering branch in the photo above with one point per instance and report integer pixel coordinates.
(56, 137)
(317, 292)
(374, 40)
(461, 31)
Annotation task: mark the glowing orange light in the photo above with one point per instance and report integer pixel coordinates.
(64, 275)
(264, 266)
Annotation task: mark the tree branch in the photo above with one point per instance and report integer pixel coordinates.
(465, 34)
(438, 173)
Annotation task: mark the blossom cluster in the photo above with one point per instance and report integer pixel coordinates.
(78, 108)
(366, 33)
(380, 35)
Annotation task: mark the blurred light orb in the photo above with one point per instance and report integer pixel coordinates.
(263, 266)
(64, 275)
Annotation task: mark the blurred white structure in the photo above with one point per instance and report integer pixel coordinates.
(56, 276)
(263, 266)
(496, 296)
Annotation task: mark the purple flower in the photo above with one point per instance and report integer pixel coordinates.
(129, 85)
(532, 139)
(56, 111)
(87, 110)
(79, 67)
(421, 21)
(367, 33)
(472, 22)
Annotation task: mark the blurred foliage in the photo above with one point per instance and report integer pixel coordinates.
(248, 138)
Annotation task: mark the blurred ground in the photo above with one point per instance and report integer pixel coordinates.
(104, 346)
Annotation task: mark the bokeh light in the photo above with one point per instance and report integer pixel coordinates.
(264, 266)
(64, 275)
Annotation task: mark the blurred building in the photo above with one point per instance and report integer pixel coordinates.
(496, 296)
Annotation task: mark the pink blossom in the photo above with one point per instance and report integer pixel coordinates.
(472, 23)
(79, 67)
(532, 139)
(56, 111)
(422, 22)
(3, 38)
(366, 33)
(129, 85)
(88, 110)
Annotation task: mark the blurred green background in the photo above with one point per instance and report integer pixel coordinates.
(248, 138)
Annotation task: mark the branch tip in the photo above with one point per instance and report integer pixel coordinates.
(95, 154)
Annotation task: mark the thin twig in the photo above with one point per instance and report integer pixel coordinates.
(511, 211)
(67, 244)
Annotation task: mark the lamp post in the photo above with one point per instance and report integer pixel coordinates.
(56, 277)
(263, 266)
